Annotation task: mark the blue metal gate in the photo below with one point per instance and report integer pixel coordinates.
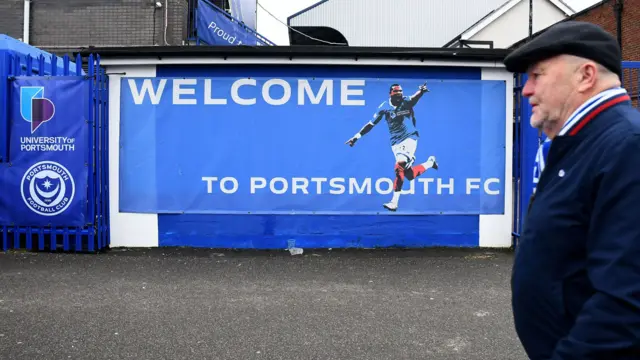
(94, 235)
(526, 140)
(525, 145)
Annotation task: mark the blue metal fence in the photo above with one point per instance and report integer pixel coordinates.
(526, 140)
(94, 235)
(518, 101)
(525, 144)
(631, 80)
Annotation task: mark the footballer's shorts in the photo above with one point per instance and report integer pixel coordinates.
(405, 151)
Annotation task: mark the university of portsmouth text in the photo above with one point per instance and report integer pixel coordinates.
(47, 143)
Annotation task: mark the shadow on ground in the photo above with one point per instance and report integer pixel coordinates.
(210, 304)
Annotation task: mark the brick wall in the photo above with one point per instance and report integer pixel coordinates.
(11, 17)
(605, 16)
(630, 30)
(63, 26)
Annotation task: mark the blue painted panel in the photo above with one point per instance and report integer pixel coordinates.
(317, 231)
(321, 231)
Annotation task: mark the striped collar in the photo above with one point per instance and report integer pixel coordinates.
(591, 108)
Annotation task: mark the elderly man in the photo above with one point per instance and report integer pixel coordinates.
(576, 275)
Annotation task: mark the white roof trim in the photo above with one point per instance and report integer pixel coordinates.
(564, 7)
(489, 19)
(501, 11)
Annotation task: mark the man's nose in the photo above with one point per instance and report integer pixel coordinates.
(528, 88)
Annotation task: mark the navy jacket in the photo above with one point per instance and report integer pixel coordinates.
(576, 274)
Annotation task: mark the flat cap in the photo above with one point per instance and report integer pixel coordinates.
(571, 38)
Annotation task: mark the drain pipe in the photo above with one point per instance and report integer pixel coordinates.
(25, 28)
(618, 9)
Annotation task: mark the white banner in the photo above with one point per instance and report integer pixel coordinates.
(245, 11)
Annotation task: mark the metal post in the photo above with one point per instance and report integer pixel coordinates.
(26, 21)
(530, 18)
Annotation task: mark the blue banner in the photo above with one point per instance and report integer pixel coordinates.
(290, 146)
(46, 181)
(217, 28)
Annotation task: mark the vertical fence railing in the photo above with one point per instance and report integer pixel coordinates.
(525, 145)
(517, 160)
(94, 235)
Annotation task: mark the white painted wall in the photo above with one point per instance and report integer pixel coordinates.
(495, 230)
(127, 230)
(513, 26)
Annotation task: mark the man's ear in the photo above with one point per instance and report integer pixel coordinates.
(588, 75)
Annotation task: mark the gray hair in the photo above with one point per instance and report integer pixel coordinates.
(604, 74)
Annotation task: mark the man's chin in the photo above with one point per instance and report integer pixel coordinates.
(536, 123)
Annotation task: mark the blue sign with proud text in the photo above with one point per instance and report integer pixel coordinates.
(217, 28)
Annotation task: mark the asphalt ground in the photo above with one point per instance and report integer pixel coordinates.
(211, 304)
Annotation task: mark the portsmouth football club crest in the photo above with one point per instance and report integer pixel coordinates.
(47, 188)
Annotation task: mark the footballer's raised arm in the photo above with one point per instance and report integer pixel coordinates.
(413, 100)
(366, 128)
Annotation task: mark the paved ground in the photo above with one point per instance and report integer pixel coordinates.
(206, 304)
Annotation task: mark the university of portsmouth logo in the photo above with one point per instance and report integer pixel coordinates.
(47, 188)
(34, 107)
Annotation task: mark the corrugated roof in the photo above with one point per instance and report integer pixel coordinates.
(405, 23)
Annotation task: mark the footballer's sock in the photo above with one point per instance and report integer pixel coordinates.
(397, 184)
(393, 204)
(396, 197)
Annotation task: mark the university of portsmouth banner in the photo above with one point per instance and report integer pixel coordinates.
(289, 146)
(46, 182)
(216, 28)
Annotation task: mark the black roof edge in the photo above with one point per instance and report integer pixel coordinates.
(296, 51)
(452, 41)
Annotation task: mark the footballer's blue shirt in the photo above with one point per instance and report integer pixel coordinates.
(401, 120)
